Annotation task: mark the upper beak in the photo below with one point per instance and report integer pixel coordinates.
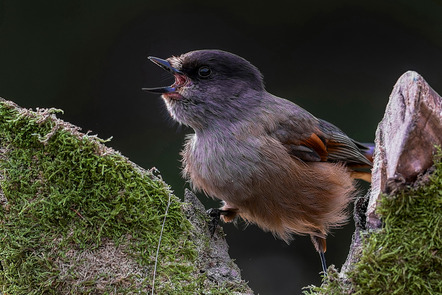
(166, 66)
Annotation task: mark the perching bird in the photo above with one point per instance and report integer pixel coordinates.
(271, 162)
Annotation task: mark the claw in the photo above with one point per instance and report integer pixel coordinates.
(215, 216)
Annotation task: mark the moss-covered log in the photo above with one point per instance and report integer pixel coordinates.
(76, 217)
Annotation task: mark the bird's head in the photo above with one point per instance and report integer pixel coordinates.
(211, 86)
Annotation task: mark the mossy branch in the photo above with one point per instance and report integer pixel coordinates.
(76, 217)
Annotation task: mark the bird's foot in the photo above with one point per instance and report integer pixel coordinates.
(215, 216)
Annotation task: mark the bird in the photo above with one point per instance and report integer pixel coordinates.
(269, 161)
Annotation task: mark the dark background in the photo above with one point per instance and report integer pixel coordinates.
(338, 59)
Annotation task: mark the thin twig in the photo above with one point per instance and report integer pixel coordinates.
(159, 244)
(78, 213)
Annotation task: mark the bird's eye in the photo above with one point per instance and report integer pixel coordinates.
(204, 72)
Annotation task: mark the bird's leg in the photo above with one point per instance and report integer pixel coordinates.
(323, 262)
(321, 246)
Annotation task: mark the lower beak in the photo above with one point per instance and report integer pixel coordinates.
(165, 89)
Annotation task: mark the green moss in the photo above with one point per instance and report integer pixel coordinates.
(70, 207)
(405, 257)
(332, 284)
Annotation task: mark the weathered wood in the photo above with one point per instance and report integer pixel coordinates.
(405, 138)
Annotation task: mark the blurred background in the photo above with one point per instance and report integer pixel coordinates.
(338, 59)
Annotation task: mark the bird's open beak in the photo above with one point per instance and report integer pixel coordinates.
(166, 66)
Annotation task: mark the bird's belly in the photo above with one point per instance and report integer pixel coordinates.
(226, 176)
(273, 190)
